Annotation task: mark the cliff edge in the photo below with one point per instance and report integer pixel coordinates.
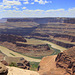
(62, 64)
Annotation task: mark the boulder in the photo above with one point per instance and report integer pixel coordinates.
(19, 71)
(3, 69)
(4, 62)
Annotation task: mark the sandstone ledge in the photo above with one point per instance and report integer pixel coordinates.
(18, 71)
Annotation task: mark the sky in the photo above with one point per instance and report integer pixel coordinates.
(37, 8)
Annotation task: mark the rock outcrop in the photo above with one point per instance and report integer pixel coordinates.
(18, 71)
(11, 38)
(6, 70)
(4, 62)
(3, 69)
(1, 56)
(43, 20)
(16, 61)
(36, 20)
(63, 44)
(62, 64)
(66, 60)
(47, 66)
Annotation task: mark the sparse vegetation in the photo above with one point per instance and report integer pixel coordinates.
(13, 64)
(34, 65)
(56, 51)
(40, 57)
(12, 54)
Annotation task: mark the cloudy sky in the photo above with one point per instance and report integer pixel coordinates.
(37, 8)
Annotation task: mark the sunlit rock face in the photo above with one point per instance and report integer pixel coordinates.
(66, 60)
(62, 64)
(3, 69)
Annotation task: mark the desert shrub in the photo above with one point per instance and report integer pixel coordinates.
(34, 65)
(12, 54)
(13, 64)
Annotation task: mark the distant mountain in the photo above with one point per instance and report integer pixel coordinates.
(43, 20)
(3, 20)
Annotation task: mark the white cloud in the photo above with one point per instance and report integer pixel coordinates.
(25, 2)
(38, 10)
(32, 3)
(52, 10)
(24, 8)
(7, 7)
(71, 9)
(50, 1)
(42, 1)
(38, 13)
(4, 7)
(1, 6)
(13, 2)
(15, 8)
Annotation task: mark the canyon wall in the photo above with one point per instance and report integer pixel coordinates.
(56, 28)
(42, 20)
(62, 64)
(66, 60)
(11, 38)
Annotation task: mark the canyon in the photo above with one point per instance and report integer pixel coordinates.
(63, 63)
(60, 31)
(28, 40)
(18, 44)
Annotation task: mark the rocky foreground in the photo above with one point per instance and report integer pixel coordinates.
(15, 71)
(62, 64)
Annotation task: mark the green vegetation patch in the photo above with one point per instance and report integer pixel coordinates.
(40, 57)
(56, 51)
(13, 64)
(34, 66)
(12, 54)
